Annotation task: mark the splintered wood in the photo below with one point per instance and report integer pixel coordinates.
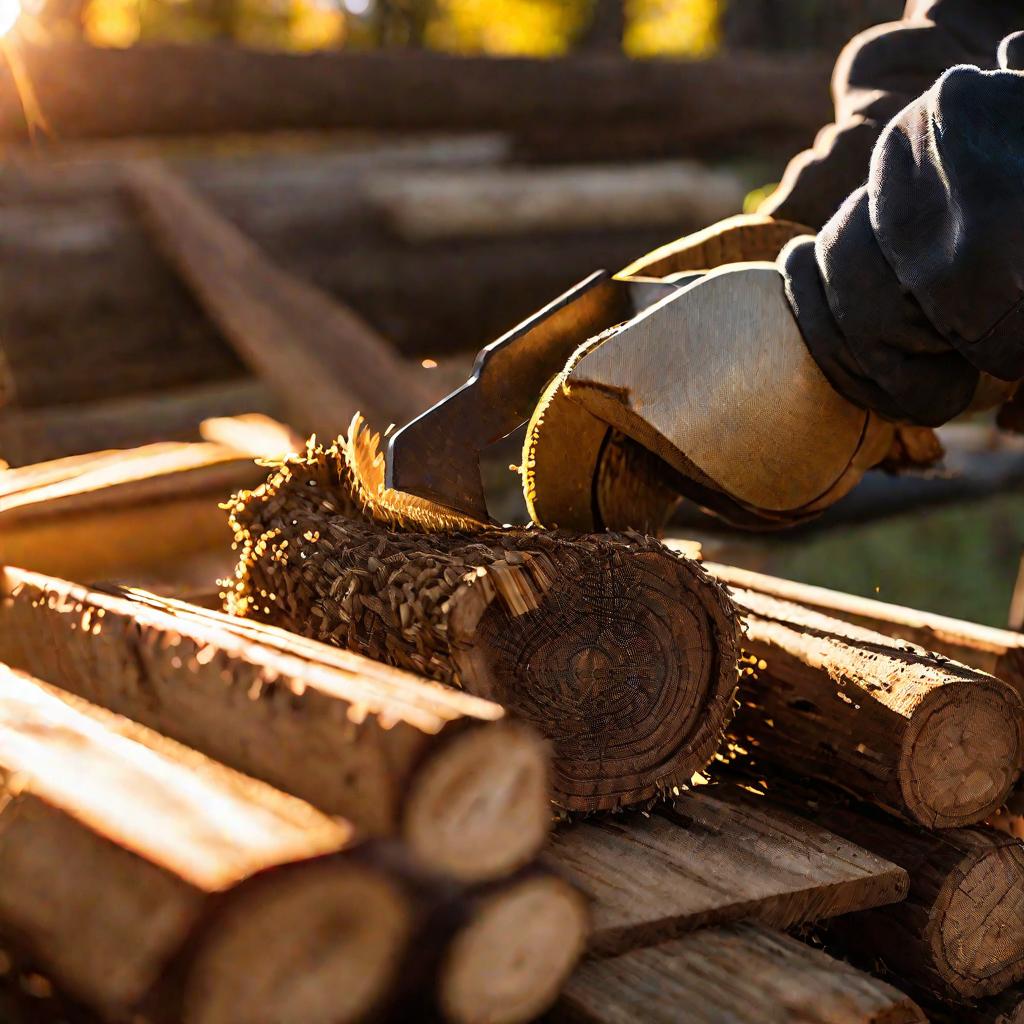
(743, 974)
(931, 739)
(713, 856)
(392, 753)
(618, 651)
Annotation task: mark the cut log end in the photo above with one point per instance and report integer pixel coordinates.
(479, 808)
(322, 946)
(509, 964)
(629, 653)
(977, 929)
(961, 754)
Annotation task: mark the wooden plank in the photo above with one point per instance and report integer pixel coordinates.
(930, 739)
(324, 361)
(740, 974)
(391, 752)
(116, 513)
(54, 432)
(716, 856)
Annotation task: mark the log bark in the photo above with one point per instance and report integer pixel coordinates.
(117, 513)
(999, 652)
(119, 849)
(54, 432)
(959, 934)
(166, 89)
(325, 362)
(602, 642)
(932, 740)
(741, 857)
(742, 973)
(391, 753)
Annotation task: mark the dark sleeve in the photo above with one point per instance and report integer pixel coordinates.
(878, 73)
(916, 285)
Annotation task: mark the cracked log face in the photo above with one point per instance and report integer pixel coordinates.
(622, 654)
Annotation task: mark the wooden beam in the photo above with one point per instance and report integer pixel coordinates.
(932, 740)
(741, 973)
(53, 432)
(392, 753)
(495, 201)
(741, 857)
(325, 362)
(620, 653)
(1000, 652)
(166, 89)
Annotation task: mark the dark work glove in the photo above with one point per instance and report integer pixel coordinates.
(915, 288)
(878, 73)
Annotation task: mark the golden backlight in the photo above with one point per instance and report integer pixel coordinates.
(10, 11)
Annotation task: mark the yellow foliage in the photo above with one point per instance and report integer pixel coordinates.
(113, 22)
(672, 28)
(315, 25)
(533, 28)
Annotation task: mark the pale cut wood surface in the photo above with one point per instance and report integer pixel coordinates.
(323, 360)
(715, 856)
(933, 740)
(737, 974)
(390, 751)
(113, 839)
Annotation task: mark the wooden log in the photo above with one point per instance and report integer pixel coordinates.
(621, 654)
(108, 514)
(392, 753)
(325, 362)
(959, 934)
(741, 858)
(999, 652)
(119, 849)
(430, 206)
(742, 973)
(507, 965)
(932, 740)
(1006, 1008)
(53, 432)
(168, 89)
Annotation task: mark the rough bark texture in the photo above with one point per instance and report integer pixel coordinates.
(742, 973)
(960, 933)
(741, 857)
(392, 753)
(620, 653)
(119, 849)
(930, 739)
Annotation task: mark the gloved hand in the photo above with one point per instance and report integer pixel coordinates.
(717, 383)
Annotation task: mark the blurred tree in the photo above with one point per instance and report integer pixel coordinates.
(684, 28)
(536, 28)
(401, 22)
(607, 28)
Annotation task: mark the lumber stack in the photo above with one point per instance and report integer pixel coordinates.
(146, 879)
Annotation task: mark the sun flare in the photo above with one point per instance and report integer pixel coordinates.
(10, 11)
